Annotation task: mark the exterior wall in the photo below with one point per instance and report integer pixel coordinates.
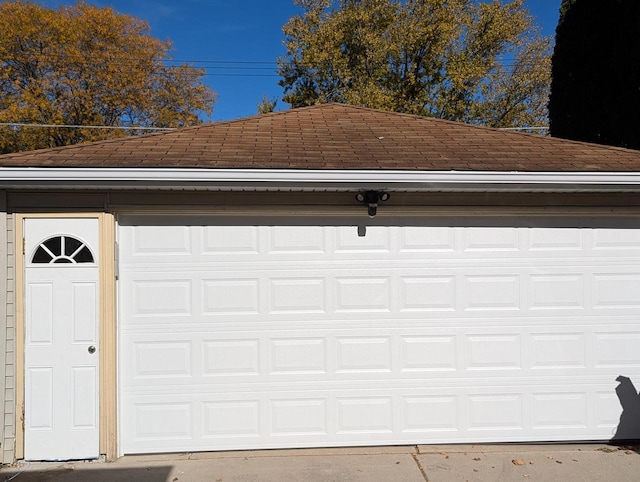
(7, 325)
(13, 203)
(201, 201)
(120, 201)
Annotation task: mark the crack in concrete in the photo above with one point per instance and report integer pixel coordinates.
(420, 467)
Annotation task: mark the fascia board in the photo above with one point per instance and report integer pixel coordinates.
(16, 177)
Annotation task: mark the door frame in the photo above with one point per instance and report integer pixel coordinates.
(107, 327)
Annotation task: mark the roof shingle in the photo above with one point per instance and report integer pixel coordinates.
(338, 137)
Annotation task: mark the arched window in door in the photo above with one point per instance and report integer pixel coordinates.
(62, 249)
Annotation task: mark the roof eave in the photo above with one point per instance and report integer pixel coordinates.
(303, 180)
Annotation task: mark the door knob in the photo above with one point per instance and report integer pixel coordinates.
(91, 349)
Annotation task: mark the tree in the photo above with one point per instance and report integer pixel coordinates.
(595, 88)
(464, 60)
(84, 65)
(267, 105)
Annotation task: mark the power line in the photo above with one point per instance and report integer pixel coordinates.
(239, 75)
(208, 64)
(533, 128)
(250, 62)
(68, 126)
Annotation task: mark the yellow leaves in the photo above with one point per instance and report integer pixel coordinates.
(431, 57)
(85, 65)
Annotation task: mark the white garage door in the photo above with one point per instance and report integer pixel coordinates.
(258, 333)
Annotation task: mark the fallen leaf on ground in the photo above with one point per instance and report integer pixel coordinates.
(606, 450)
(518, 462)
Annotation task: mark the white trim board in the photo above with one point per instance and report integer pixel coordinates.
(257, 179)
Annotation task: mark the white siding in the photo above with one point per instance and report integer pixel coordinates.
(7, 310)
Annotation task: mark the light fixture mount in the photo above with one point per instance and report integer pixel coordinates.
(371, 200)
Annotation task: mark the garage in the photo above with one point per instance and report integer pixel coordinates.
(240, 332)
(318, 277)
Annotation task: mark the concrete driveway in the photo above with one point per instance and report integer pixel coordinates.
(444, 463)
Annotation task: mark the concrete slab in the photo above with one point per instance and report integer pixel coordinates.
(82, 472)
(575, 463)
(432, 463)
(510, 447)
(312, 467)
(392, 449)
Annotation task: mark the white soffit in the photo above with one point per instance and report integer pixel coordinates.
(318, 180)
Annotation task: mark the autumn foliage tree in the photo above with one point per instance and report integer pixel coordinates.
(267, 105)
(481, 62)
(83, 65)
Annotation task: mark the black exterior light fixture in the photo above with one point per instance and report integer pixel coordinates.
(371, 199)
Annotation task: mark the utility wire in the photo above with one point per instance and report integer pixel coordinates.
(533, 128)
(67, 126)
(18, 124)
(250, 62)
(213, 63)
(239, 75)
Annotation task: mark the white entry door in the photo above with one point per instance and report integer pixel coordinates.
(61, 345)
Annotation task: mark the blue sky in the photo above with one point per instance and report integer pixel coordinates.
(238, 41)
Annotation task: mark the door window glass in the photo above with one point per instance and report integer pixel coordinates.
(62, 249)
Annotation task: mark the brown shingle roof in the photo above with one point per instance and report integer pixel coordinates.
(337, 136)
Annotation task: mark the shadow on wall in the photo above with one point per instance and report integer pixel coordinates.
(102, 474)
(629, 426)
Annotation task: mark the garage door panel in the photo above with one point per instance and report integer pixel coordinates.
(240, 241)
(282, 243)
(616, 240)
(283, 240)
(432, 242)
(557, 351)
(402, 289)
(164, 297)
(617, 349)
(616, 290)
(436, 385)
(164, 359)
(237, 296)
(491, 240)
(159, 241)
(273, 335)
(546, 240)
(250, 419)
(557, 291)
(324, 355)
